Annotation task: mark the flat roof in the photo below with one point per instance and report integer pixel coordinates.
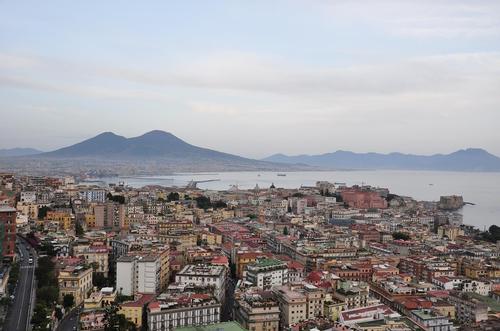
(225, 326)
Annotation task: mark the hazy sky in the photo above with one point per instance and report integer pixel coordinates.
(254, 77)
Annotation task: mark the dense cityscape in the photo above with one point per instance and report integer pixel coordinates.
(91, 256)
(284, 165)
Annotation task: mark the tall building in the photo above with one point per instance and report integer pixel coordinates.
(265, 273)
(202, 275)
(93, 195)
(110, 215)
(299, 302)
(183, 306)
(7, 233)
(76, 281)
(257, 311)
(138, 274)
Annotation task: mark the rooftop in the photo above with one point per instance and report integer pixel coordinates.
(225, 326)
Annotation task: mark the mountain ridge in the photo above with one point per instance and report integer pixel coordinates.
(470, 159)
(19, 151)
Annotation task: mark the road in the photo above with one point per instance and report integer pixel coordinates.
(69, 323)
(19, 315)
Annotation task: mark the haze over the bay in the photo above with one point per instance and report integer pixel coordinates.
(254, 78)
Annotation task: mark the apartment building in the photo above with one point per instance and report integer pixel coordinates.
(202, 275)
(76, 281)
(266, 272)
(299, 302)
(110, 215)
(257, 311)
(8, 232)
(431, 320)
(185, 308)
(138, 274)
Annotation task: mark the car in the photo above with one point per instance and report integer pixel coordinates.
(12, 297)
(30, 261)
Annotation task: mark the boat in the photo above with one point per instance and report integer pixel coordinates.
(281, 174)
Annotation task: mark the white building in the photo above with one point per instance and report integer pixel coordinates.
(93, 195)
(138, 275)
(265, 273)
(481, 288)
(171, 312)
(203, 275)
(28, 196)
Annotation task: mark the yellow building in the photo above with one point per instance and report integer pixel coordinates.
(63, 218)
(333, 309)
(101, 298)
(245, 258)
(452, 232)
(133, 310)
(76, 281)
(210, 238)
(445, 309)
(28, 209)
(90, 221)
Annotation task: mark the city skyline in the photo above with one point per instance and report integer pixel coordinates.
(255, 79)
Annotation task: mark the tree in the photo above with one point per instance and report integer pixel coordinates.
(48, 294)
(219, 204)
(285, 231)
(48, 248)
(493, 234)
(173, 196)
(13, 276)
(68, 301)
(400, 236)
(116, 198)
(58, 313)
(79, 229)
(99, 280)
(40, 318)
(42, 212)
(115, 321)
(203, 202)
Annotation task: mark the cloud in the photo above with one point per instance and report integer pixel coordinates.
(422, 18)
(250, 73)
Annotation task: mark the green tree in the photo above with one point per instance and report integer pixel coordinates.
(285, 231)
(42, 212)
(79, 229)
(203, 202)
(40, 318)
(173, 196)
(400, 236)
(219, 204)
(98, 280)
(116, 198)
(13, 276)
(68, 301)
(48, 294)
(58, 313)
(45, 272)
(115, 321)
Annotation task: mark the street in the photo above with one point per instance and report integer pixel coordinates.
(70, 322)
(18, 317)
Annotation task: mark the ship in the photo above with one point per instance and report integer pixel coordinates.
(281, 174)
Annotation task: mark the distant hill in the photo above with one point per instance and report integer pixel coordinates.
(471, 159)
(155, 146)
(18, 152)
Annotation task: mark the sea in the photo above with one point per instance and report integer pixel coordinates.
(480, 188)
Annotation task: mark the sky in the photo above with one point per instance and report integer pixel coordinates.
(254, 78)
